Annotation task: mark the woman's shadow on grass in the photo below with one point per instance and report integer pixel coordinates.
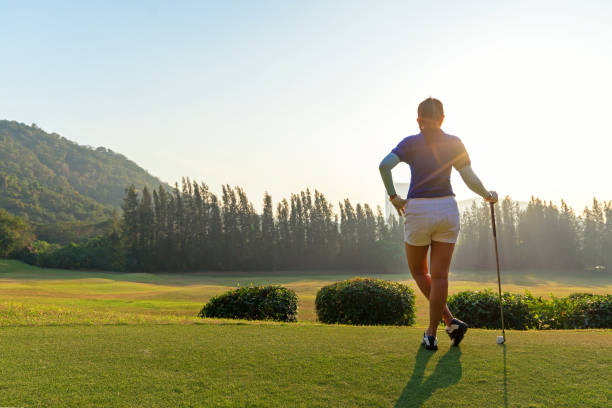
(446, 373)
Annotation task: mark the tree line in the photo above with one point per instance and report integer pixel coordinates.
(188, 228)
(540, 236)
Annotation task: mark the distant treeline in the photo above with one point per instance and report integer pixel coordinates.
(540, 236)
(189, 228)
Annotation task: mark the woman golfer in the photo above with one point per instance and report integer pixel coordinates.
(431, 216)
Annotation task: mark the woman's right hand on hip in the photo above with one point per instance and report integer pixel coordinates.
(399, 204)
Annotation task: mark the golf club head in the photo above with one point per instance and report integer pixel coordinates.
(500, 340)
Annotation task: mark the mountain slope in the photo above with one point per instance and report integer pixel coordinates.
(47, 178)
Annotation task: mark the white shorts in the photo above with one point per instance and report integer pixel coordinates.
(431, 219)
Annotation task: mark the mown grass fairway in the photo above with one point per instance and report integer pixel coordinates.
(92, 339)
(286, 365)
(31, 296)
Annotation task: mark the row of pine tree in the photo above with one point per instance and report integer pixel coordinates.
(539, 236)
(190, 228)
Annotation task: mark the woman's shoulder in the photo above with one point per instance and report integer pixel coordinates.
(453, 140)
(410, 139)
(406, 147)
(452, 137)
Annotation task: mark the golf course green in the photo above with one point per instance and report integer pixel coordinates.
(70, 338)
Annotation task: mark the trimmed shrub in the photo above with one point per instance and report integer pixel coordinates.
(480, 308)
(270, 302)
(576, 311)
(366, 302)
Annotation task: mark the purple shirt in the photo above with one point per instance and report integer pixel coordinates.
(431, 159)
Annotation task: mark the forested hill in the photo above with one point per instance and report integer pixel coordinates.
(47, 178)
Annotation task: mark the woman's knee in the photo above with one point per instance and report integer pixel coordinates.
(418, 270)
(439, 273)
(439, 281)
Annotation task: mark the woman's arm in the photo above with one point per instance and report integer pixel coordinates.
(473, 182)
(389, 162)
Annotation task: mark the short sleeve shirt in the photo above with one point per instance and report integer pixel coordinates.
(431, 160)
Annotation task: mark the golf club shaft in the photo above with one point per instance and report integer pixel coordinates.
(501, 308)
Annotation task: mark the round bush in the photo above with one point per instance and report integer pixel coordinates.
(366, 302)
(270, 302)
(481, 309)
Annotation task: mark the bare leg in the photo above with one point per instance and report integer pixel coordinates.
(441, 255)
(417, 262)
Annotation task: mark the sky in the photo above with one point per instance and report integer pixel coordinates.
(283, 96)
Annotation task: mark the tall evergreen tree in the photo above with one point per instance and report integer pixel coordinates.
(306, 216)
(296, 223)
(248, 224)
(232, 242)
(567, 240)
(607, 238)
(267, 249)
(592, 234)
(348, 229)
(131, 227)
(146, 230)
(215, 235)
(162, 221)
(283, 235)
(180, 225)
(509, 237)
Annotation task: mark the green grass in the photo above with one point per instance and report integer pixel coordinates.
(36, 296)
(310, 365)
(74, 338)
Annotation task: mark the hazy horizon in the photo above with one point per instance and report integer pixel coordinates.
(281, 97)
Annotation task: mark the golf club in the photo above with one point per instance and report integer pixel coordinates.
(500, 339)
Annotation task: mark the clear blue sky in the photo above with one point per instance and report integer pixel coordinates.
(280, 96)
